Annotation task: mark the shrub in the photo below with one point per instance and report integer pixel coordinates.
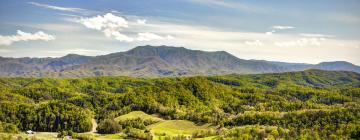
(108, 126)
(82, 137)
(8, 128)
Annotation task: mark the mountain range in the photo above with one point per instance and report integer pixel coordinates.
(154, 61)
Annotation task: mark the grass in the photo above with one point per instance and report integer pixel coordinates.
(137, 114)
(208, 138)
(176, 127)
(109, 137)
(37, 136)
(53, 136)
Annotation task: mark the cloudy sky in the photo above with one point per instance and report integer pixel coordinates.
(309, 31)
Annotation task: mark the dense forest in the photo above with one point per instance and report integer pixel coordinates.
(311, 104)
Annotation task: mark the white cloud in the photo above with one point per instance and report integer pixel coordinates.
(81, 51)
(109, 24)
(170, 37)
(254, 43)
(270, 32)
(141, 21)
(114, 26)
(306, 40)
(122, 37)
(276, 28)
(148, 37)
(301, 42)
(316, 35)
(23, 36)
(66, 9)
(151, 36)
(115, 11)
(283, 27)
(108, 21)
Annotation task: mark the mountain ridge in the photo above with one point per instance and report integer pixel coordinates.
(148, 61)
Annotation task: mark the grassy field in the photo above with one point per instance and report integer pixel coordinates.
(207, 138)
(166, 127)
(137, 114)
(176, 127)
(109, 137)
(37, 136)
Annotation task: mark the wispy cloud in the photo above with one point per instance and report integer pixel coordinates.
(67, 9)
(301, 42)
(141, 21)
(315, 35)
(278, 27)
(151, 36)
(23, 36)
(53, 27)
(254, 43)
(270, 32)
(81, 51)
(233, 5)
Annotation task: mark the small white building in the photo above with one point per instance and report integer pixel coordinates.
(29, 132)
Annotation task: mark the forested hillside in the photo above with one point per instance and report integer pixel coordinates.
(311, 104)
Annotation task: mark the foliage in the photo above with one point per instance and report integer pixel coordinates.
(309, 104)
(108, 126)
(8, 128)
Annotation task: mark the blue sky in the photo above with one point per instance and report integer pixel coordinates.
(280, 30)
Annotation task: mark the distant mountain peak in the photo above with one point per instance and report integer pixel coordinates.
(156, 47)
(72, 55)
(336, 62)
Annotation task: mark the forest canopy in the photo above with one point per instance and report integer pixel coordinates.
(308, 104)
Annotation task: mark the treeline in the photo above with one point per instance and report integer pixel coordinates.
(52, 116)
(295, 101)
(340, 122)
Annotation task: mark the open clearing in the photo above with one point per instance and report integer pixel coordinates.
(176, 127)
(137, 114)
(166, 127)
